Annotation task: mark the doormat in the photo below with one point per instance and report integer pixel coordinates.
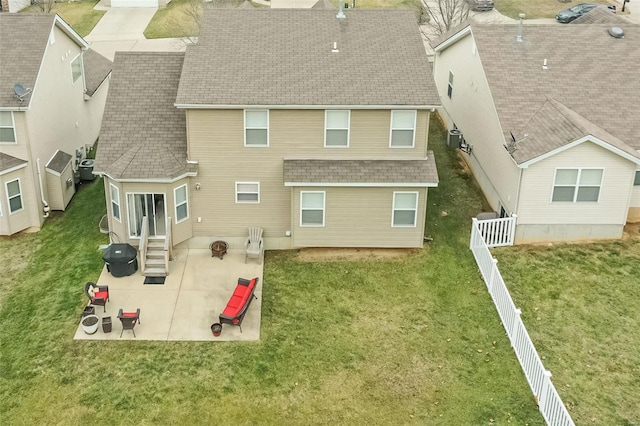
(154, 280)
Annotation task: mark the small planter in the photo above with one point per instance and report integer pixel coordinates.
(90, 324)
(88, 310)
(106, 324)
(216, 329)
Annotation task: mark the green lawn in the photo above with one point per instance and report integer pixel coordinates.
(540, 8)
(581, 305)
(79, 14)
(414, 340)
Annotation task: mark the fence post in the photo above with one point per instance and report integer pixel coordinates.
(512, 231)
(492, 275)
(474, 230)
(514, 328)
(546, 382)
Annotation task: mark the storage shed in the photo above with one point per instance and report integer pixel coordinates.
(60, 184)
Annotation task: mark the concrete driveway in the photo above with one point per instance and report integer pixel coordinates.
(122, 29)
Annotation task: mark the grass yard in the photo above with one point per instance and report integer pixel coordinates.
(540, 8)
(79, 14)
(414, 340)
(177, 19)
(581, 305)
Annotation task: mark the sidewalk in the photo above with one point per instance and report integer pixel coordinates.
(122, 29)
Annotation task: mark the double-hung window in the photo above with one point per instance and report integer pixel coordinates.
(115, 201)
(577, 185)
(636, 181)
(403, 129)
(181, 202)
(336, 124)
(247, 192)
(7, 132)
(256, 128)
(14, 196)
(76, 68)
(312, 205)
(450, 85)
(405, 208)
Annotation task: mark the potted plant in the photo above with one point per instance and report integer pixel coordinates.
(90, 324)
(216, 329)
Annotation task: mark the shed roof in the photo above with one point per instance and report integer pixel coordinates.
(283, 57)
(59, 161)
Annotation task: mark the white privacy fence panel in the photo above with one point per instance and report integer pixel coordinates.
(551, 406)
(498, 232)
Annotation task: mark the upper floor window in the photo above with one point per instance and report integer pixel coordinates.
(256, 128)
(181, 202)
(450, 85)
(405, 208)
(115, 201)
(312, 208)
(636, 181)
(336, 124)
(7, 132)
(403, 129)
(76, 68)
(14, 196)
(577, 185)
(247, 192)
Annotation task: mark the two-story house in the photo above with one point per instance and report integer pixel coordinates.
(549, 118)
(311, 126)
(53, 90)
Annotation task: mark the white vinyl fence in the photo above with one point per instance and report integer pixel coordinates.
(551, 406)
(498, 232)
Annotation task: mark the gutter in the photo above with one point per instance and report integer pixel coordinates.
(46, 208)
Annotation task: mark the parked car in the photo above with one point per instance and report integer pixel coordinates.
(578, 10)
(480, 5)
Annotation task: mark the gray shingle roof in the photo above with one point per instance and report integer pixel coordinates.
(589, 73)
(59, 161)
(599, 15)
(7, 162)
(96, 70)
(323, 4)
(284, 57)
(408, 171)
(143, 135)
(23, 39)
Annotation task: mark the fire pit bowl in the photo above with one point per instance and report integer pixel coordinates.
(218, 248)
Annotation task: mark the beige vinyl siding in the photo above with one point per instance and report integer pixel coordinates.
(634, 205)
(472, 110)
(216, 141)
(349, 224)
(538, 180)
(180, 232)
(59, 193)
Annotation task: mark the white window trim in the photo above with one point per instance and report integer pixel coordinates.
(176, 205)
(6, 187)
(13, 127)
(116, 202)
(415, 211)
(81, 69)
(636, 176)
(577, 184)
(391, 129)
(324, 204)
(247, 202)
(450, 79)
(348, 129)
(257, 128)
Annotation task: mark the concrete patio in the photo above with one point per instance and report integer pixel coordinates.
(184, 307)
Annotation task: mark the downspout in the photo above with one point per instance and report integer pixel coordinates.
(46, 208)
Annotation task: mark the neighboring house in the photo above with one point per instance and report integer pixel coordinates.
(47, 121)
(551, 121)
(13, 5)
(312, 127)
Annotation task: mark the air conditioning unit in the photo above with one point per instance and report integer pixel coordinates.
(454, 138)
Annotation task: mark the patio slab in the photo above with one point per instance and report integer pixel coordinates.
(183, 308)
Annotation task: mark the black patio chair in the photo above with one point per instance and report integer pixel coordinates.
(129, 320)
(99, 297)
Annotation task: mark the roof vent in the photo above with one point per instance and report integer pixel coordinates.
(616, 32)
(20, 92)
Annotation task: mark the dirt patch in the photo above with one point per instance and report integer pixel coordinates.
(631, 231)
(334, 254)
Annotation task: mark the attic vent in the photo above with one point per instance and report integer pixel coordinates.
(616, 32)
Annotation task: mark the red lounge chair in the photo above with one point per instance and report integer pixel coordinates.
(100, 297)
(129, 320)
(239, 302)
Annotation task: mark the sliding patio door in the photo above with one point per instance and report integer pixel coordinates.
(150, 205)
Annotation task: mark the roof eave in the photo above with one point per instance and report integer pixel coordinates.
(266, 106)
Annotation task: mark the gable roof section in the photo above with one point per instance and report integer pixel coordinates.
(589, 73)
(10, 163)
(96, 70)
(400, 172)
(143, 135)
(23, 40)
(283, 57)
(599, 15)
